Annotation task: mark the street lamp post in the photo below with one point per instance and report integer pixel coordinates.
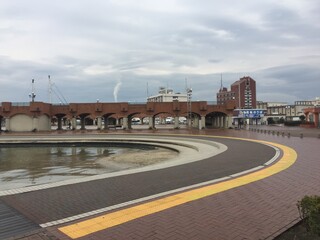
(32, 95)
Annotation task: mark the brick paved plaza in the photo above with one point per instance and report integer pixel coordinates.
(257, 210)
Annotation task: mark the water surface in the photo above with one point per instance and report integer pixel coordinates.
(26, 165)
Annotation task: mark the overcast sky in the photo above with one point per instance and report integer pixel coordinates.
(95, 48)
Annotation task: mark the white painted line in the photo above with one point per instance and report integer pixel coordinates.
(246, 171)
(276, 156)
(190, 150)
(151, 197)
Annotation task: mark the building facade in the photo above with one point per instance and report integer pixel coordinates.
(167, 95)
(242, 91)
(281, 111)
(224, 95)
(265, 105)
(245, 93)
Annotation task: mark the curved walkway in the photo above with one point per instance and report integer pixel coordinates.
(259, 210)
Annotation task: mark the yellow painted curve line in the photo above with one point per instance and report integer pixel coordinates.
(109, 220)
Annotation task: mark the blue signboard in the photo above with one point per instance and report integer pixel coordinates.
(250, 113)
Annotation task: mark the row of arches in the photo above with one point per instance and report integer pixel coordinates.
(60, 121)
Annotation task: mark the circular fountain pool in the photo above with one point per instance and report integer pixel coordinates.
(26, 164)
(33, 163)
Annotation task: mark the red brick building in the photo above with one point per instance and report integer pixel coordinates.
(242, 91)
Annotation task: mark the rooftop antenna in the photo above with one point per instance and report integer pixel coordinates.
(147, 90)
(221, 86)
(32, 95)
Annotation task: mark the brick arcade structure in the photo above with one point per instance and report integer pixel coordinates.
(312, 116)
(38, 116)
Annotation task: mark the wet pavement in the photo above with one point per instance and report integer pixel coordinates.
(259, 210)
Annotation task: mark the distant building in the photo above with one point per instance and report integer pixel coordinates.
(167, 95)
(265, 105)
(304, 103)
(245, 93)
(224, 95)
(285, 111)
(242, 91)
(316, 102)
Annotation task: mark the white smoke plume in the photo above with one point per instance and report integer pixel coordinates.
(116, 90)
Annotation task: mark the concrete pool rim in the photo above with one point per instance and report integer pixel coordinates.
(190, 150)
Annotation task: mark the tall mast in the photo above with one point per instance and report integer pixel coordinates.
(147, 91)
(50, 89)
(32, 95)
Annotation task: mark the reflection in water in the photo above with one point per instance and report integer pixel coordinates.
(25, 166)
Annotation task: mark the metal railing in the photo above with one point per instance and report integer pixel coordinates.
(60, 104)
(212, 102)
(138, 103)
(20, 104)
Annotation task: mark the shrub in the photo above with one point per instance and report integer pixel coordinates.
(281, 120)
(270, 120)
(309, 210)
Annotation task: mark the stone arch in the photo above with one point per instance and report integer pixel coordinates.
(130, 117)
(26, 123)
(112, 120)
(20, 123)
(57, 119)
(159, 117)
(44, 122)
(164, 119)
(139, 120)
(193, 119)
(90, 120)
(83, 117)
(107, 119)
(217, 119)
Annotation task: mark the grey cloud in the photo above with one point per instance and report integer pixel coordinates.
(197, 41)
(298, 81)
(215, 60)
(294, 73)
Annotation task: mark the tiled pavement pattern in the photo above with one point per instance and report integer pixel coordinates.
(12, 222)
(57, 203)
(260, 210)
